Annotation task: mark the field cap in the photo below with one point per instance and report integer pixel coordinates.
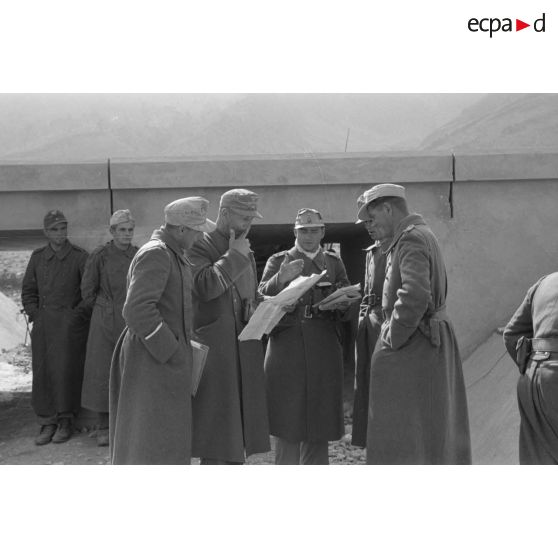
(53, 217)
(190, 212)
(377, 192)
(243, 202)
(121, 216)
(307, 218)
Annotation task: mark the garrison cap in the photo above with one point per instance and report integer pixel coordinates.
(377, 192)
(307, 218)
(243, 202)
(121, 216)
(190, 212)
(53, 217)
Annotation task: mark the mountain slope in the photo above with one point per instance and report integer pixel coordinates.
(500, 122)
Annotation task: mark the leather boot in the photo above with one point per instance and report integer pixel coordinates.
(45, 434)
(64, 431)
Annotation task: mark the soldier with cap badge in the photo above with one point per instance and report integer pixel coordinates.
(304, 358)
(150, 419)
(230, 412)
(103, 288)
(418, 405)
(51, 298)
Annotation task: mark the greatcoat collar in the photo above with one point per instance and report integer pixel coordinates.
(164, 236)
(61, 254)
(405, 224)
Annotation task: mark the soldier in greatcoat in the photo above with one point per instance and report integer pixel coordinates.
(51, 298)
(369, 323)
(150, 420)
(418, 406)
(229, 409)
(304, 358)
(103, 288)
(531, 338)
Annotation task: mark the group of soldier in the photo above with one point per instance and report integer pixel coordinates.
(116, 332)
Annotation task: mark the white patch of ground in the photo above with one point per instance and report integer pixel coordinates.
(12, 324)
(13, 379)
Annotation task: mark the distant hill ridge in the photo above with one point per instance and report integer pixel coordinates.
(92, 127)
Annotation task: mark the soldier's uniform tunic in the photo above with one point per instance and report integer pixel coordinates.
(537, 388)
(304, 358)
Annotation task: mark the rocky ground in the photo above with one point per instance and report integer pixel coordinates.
(17, 421)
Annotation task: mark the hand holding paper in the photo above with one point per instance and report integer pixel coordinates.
(341, 298)
(269, 312)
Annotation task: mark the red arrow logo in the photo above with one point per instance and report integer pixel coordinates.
(519, 25)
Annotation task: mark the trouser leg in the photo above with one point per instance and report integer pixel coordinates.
(532, 443)
(45, 420)
(286, 453)
(314, 453)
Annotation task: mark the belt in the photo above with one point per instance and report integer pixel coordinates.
(549, 344)
(307, 312)
(433, 320)
(369, 303)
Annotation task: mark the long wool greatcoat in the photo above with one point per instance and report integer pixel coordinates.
(418, 407)
(229, 409)
(304, 358)
(51, 298)
(369, 323)
(151, 373)
(103, 289)
(537, 389)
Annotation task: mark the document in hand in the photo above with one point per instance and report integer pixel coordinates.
(270, 311)
(199, 356)
(348, 294)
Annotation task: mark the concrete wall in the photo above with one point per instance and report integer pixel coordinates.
(28, 191)
(500, 240)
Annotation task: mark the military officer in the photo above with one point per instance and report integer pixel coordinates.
(103, 288)
(369, 324)
(531, 338)
(229, 409)
(150, 419)
(51, 298)
(304, 358)
(418, 406)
